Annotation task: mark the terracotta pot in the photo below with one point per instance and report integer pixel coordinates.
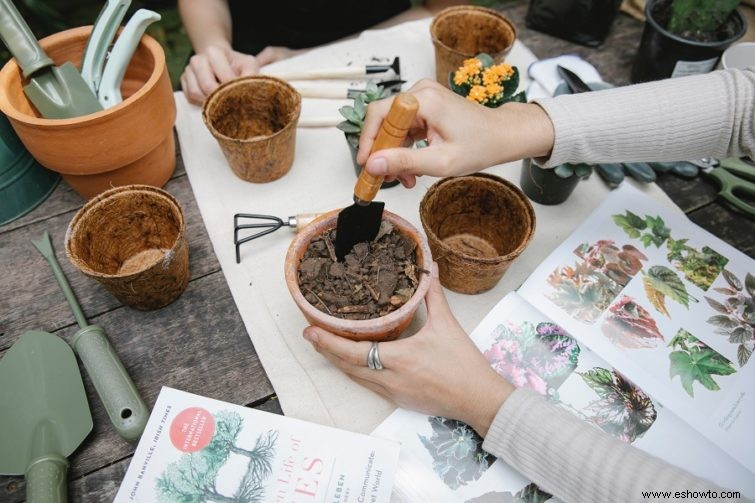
(254, 121)
(132, 240)
(128, 143)
(477, 226)
(384, 328)
(464, 31)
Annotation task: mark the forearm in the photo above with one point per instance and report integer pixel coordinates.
(670, 120)
(574, 461)
(207, 22)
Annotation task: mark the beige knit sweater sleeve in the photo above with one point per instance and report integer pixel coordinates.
(683, 118)
(576, 462)
(670, 120)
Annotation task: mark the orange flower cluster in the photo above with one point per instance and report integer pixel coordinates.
(485, 84)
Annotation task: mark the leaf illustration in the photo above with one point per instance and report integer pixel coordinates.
(725, 291)
(739, 335)
(722, 321)
(655, 297)
(750, 284)
(743, 354)
(732, 280)
(694, 361)
(717, 305)
(668, 283)
(629, 325)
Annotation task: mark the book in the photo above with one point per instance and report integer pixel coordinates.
(199, 449)
(639, 311)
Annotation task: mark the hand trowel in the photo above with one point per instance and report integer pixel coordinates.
(127, 411)
(360, 222)
(44, 416)
(58, 92)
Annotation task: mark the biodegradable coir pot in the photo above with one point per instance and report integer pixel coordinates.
(476, 225)
(254, 121)
(129, 143)
(464, 31)
(384, 328)
(132, 240)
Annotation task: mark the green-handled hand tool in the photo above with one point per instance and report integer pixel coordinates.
(58, 92)
(44, 414)
(127, 411)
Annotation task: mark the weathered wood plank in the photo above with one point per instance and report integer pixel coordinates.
(64, 199)
(197, 344)
(727, 224)
(689, 195)
(31, 298)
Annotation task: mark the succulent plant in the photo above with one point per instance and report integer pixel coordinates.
(354, 114)
(582, 170)
(691, 16)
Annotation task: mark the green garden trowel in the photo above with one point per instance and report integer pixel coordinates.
(58, 92)
(127, 411)
(44, 416)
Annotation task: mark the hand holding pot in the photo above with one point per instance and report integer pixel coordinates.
(213, 66)
(463, 136)
(438, 371)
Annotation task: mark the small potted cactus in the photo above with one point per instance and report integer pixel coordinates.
(684, 37)
(354, 115)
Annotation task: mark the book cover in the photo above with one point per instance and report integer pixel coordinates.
(538, 348)
(199, 449)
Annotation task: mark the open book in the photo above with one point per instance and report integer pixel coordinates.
(199, 449)
(643, 327)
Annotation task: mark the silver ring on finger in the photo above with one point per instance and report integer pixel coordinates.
(373, 358)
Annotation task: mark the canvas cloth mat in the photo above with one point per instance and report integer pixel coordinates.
(322, 178)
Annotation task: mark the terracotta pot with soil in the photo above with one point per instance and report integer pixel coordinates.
(254, 121)
(129, 143)
(374, 293)
(464, 31)
(477, 226)
(132, 240)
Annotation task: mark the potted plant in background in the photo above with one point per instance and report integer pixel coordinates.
(685, 37)
(354, 115)
(552, 186)
(480, 80)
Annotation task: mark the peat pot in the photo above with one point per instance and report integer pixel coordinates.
(254, 121)
(464, 31)
(384, 328)
(477, 226)
(130, 143)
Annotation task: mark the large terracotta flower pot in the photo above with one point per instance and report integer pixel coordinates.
(464, 31)
(131, 142)
(384, 328)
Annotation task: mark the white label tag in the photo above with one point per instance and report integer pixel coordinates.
(683, 68)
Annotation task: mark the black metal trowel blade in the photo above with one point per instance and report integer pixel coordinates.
(357, 224)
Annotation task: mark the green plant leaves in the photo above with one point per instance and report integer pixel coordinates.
(486, 60)
(349, 128)
(613, 174)
(668, 283)
(564, 170)
(694, 361)
(699, 15)
(351, 115)
(750, 284)
(633, 225)
(360, 106)
(732, 280)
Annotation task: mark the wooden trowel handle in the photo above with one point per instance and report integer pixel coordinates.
(392, 133)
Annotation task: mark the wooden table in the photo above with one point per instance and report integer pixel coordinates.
(199, 343)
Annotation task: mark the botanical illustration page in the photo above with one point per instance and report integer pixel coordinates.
(442, 460)
(666, 302)
(198, 449)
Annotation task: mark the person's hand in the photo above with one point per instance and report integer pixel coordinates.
(213, 66)
(463, 136)
(219, 63)
(438, 371)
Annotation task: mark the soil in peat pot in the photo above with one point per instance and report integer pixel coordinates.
(374, 279)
